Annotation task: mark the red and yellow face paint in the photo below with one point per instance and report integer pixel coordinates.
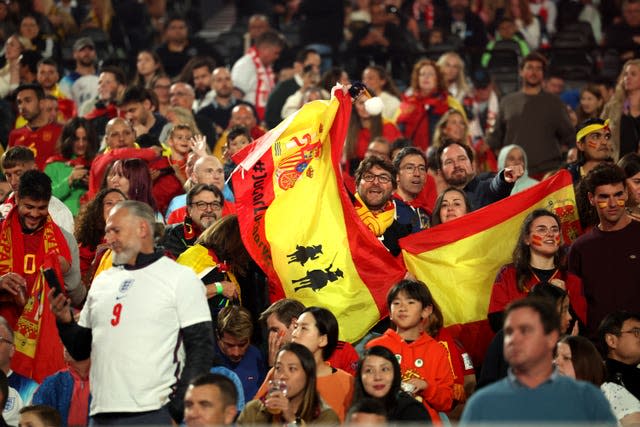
(538, 240)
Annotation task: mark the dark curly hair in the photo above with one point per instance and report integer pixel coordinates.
(90, 222)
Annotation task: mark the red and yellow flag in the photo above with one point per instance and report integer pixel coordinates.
(459, 260)
(298, 222)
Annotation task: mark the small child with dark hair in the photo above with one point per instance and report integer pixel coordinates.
(238, 137)
(39, 416)
(426, 371)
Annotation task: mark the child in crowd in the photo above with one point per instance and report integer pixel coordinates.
(426, 372)
(239, 137)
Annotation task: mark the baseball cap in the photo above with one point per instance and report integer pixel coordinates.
(83, 42)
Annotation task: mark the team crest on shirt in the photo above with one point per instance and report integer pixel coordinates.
(11, 403)
(124, 287)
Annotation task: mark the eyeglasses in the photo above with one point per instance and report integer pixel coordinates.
(413, 168)
(634, 331)
(2, 339)
(543, 231)
(215, 206)
(382, 179)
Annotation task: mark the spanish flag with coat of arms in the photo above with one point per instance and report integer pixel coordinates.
(459, 260)
(298, 222)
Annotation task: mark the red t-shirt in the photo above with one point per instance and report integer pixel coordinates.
(41, 141)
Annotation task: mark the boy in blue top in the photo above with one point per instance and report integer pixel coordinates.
(533, 392)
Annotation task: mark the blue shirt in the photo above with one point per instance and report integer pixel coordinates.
(559, 399)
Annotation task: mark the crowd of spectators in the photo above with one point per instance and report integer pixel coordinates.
(118, 127)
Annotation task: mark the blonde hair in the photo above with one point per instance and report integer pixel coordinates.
(235, 321)
(615, 107)
(461, 80)
(438, 135)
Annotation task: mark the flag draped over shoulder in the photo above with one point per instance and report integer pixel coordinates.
(298, 222)
(459, 260)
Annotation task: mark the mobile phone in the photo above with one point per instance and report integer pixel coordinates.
(52, 281)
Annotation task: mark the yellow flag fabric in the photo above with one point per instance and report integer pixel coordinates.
(459, 260)
(300, 226)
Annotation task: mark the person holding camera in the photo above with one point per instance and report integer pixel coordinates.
(69, 167)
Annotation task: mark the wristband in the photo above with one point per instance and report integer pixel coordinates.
(219, 287)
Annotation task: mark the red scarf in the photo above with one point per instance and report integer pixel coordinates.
(38, 347)
(265, 82)
(416, 112)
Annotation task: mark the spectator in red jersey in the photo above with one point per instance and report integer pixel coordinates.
(40, 134)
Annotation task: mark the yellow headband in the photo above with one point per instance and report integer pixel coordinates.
(591, 128)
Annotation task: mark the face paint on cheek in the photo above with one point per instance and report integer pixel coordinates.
(602, 205)
(592, 144)
(536, 240)
(557, 239)
(620, 202)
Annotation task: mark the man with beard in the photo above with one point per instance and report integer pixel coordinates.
(29, 242)
(144, 319)
(534, 119)
(40, 134)
(206, 170)
(219, 110)
(204, 207)
(458, 170)
(81, 84)
(375, 182)
(201, 75)
(15, 162)
(594, 147)
(137, 104)
(48, 77)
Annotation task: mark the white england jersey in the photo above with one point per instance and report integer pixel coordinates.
(135, 317)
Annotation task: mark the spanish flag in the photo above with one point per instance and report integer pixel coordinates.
(298, 222)
(459, 260)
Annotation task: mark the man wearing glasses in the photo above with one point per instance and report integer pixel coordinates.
(410, 199)
(607, 258)
(619, 336)
(375, 182)
(204, 207)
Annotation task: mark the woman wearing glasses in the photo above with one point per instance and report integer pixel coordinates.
(537, 258)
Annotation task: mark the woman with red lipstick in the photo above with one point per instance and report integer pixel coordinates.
(537, 258)
(378, 377)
